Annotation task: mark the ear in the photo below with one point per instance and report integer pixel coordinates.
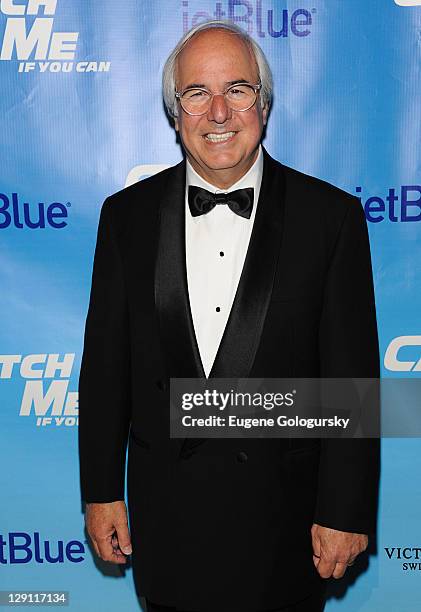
(265, 113)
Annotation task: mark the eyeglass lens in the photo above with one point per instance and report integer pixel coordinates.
(238, 97)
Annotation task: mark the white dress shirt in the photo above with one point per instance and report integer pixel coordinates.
(216, 247)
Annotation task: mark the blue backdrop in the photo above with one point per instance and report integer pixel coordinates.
(81, 116)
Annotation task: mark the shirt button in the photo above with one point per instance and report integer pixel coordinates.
(221, 253)
(218, 309)
(242, 457)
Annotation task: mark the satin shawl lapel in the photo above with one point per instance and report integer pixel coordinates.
(242, 334)
(171, 292)
(181, 352)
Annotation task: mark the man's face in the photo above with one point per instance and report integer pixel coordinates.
(213, 59)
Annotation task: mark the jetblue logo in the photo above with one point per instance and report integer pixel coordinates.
(46, 394)
(398, 205)
(15, 213)
(274, 22)
(396, 362)
(29, 35)
(20, 547)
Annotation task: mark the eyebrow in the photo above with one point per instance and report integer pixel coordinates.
(227, 84)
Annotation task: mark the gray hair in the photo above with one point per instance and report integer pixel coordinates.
(168, 74)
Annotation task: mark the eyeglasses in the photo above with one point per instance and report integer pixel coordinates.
(197, 100)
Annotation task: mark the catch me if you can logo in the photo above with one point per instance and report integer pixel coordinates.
(403, 354)
(46, 396)
(251, 15)
(408, 2)
(28, 34)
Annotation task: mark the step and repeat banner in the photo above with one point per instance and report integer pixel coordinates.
(81, 116)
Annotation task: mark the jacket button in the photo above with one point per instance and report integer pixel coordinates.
(242, 457)
(161, 385)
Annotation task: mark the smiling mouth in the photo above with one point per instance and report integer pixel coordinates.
(215, 137)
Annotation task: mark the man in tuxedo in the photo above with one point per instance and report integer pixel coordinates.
(229, 264)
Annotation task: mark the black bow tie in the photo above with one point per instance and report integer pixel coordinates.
(201, 201)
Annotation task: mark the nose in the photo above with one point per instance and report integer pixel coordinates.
(219, 111)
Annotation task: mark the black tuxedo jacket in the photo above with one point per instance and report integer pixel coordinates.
(227, 521)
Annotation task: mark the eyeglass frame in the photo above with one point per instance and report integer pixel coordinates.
(256, 88)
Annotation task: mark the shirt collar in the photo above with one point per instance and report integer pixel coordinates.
(252, 178)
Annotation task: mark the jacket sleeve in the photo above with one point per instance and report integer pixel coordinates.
(104, 382)
(348, 344)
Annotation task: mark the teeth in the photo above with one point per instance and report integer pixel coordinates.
(219, 137)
